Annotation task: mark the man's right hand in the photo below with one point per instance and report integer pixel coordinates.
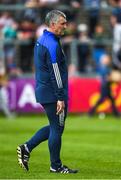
(60, 107)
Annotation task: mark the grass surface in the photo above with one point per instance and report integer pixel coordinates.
(91, 145)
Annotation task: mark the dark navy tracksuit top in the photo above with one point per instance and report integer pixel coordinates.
(51, 73)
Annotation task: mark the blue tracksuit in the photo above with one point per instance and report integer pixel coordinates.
(51, 70)
(51, 85)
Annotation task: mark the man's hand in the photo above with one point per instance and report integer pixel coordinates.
(60, 107)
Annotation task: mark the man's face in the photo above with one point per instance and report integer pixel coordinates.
(60, 26)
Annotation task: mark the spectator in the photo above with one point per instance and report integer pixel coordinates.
(6, 19)
(8, 2)
(71, 8)
(26, 34)
(10, 34)
(67, 40)
(83, 48)
(93, 9)
(99, 47)
(32, 11)
(116, 23)
(20, 1)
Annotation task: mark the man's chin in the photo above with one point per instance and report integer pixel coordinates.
(62, 33)
(59, 35)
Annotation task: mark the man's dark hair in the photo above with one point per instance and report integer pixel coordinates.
(53, 16)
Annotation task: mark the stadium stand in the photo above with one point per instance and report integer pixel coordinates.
(22, 21)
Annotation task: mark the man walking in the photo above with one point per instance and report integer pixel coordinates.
(51, 91)
(105, 91)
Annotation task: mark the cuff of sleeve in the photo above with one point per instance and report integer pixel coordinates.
(60, 95)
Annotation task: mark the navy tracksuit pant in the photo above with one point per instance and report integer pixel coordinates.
(52, 133)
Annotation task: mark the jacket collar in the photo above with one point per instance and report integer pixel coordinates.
(46, 32)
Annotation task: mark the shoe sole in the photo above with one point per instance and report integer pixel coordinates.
(64, 172)
(76, 171)
(19, 154)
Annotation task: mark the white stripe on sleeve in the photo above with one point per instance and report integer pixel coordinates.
(57, 75)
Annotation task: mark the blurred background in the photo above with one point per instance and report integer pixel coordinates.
(92, 44)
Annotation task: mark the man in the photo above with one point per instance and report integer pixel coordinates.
(105, 91)
(51, 91)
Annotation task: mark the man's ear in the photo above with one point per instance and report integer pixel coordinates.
(52, 25)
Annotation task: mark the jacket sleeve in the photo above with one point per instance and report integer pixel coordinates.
(55, 70)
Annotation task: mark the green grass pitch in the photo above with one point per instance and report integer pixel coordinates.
(91, 145)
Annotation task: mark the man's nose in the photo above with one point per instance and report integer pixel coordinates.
(65, 26)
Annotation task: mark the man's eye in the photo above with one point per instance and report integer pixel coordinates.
(64, 23)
